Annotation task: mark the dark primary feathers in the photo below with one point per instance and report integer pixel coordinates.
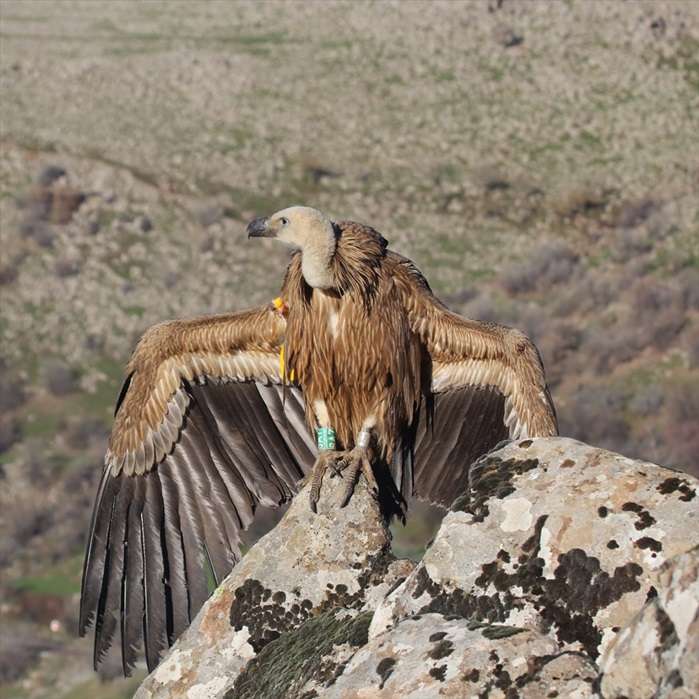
(207, 427)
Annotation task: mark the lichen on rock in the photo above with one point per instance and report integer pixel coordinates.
(563, 568)
(302, 656)
(558, 574)
(305, 567)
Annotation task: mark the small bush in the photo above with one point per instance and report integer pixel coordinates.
(12, 394)
(683, 403)
(660, 329)
(49, 175)
(8, 273)
(658, 310)
(639, 225)
(481, 308)
(647, 400)
(597, 290)
(81, 435)
(10, 431)
(556, 340)
(59, 378)
(650, 295)
(66, 266)
(210, 215)
(36, 467)
(549, 263)
(25, 518)
(691, 346)
(609, 347)
(681, 447)
(42, 608)
(34, 228)
(631, 242)
(595, 415)
(688, 283)
(637, 212)
(19, 650)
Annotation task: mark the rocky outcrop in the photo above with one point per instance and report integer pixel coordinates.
(308, 565)
(564, 570)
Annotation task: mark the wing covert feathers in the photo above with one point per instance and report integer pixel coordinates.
(486, 384)
(201, 436)
(464, 352)
(232, 346)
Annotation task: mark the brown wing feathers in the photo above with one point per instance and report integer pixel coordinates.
(172, 505)
(237, 345)
(466, 422)
(467, 352)
(486, 384)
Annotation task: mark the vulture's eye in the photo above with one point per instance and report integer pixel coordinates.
(284, 221)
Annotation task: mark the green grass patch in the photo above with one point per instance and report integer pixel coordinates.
(62, 580)
(134, 310)
(41, 423)
(115, 689)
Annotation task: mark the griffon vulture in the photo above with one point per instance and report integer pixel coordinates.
(218, 414)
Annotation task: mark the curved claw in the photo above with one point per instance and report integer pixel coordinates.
(358, 461)
(326, 460)
(337, 468)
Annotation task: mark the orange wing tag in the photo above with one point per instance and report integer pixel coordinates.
(280, 306)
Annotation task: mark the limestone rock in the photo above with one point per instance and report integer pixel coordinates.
(559, 557)
(555, 536)
(657, 653)
(304, 661)
(430, 656)
(309, 564)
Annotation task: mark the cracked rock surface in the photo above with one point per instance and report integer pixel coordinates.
(657, 652)
(563, 570)
(309, 564)
(556, 536)
(430, 656)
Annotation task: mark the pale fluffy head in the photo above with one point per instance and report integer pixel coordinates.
(308, 230)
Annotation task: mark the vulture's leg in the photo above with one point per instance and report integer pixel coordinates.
(327, 456)
(357, 461)
(327, 459)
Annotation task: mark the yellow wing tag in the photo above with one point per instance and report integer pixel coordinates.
(281, 307)
(281, 365)
(283, 310)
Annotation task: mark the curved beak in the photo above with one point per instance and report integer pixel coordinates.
(258, 228)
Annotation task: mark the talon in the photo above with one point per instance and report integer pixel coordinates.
(358, 461)
(326, 460)
(318, 469)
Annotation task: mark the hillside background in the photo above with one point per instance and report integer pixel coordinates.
(539, 161)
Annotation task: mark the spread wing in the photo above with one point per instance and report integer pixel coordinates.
(204, 432)
(485, 384)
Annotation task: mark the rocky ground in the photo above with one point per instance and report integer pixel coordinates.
(537, 160)
(526, 591)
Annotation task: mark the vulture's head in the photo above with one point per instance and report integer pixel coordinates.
(309, 231)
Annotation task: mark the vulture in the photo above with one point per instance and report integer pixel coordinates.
(357, 368)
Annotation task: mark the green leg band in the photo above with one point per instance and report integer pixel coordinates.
(326, 438)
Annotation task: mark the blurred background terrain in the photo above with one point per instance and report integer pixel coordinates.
(538, 161)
